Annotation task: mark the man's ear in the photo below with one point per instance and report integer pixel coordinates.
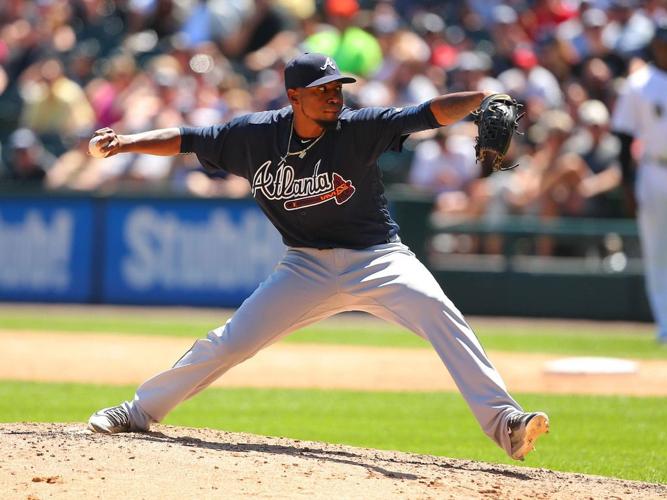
(293, 96)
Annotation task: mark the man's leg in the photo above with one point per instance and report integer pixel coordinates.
(392, 284)
(298, 292)
(652, 221)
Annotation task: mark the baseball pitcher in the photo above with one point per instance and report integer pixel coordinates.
(313, 168)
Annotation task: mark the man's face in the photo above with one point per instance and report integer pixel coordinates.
(322, 104)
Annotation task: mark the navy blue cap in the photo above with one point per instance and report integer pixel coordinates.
(311, 70)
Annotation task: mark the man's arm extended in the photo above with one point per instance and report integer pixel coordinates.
(450, 108)
(161, 142)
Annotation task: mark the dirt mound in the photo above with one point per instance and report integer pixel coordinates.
(67, 461)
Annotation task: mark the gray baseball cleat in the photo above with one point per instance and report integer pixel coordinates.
(524, 429)
(110, 420)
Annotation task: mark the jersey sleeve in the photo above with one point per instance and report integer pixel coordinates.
(389, 127)
(218, 147)
(624, 118)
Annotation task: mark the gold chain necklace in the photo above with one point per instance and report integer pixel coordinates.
(301, 153)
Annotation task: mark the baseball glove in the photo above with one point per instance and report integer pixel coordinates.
(497, 119)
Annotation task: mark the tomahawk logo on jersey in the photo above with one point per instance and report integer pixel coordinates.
(300, 193)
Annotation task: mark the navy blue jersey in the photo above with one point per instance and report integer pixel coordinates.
(333, 196)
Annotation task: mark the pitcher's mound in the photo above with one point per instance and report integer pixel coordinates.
(66, 461)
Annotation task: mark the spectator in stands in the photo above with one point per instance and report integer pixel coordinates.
(586, 35)
(544, 16)
(630, 30)
(55, 106)
(266, 33)
(108, 95)
(81, 62)
(506, 33)
(587, 171)
(443, 165)
(159, 16)
(557, 56)
(409, 82)
(597, 77)
(28, 160)
(587, 39)
(104, 22)
(472, 72)
(549, 134)
(354, 48)
(528, 81)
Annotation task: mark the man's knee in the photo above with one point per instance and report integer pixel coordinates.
(235, 346)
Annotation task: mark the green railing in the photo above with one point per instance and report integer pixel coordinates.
(594, 272)
(572, 244)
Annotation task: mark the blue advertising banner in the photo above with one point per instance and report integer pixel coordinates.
(190, 251)
(46, 249)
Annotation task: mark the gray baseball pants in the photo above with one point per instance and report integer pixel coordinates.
(651, 191)
(309, 285)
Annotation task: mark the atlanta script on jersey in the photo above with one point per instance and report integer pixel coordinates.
(282, 184)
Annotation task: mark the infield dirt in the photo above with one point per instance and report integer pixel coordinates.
(66, 461)
(122, 360)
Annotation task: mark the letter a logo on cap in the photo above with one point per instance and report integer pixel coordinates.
(329, 62)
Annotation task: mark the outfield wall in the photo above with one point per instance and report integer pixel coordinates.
(134, 251)
(214, 252)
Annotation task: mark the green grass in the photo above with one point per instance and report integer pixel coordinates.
(611, 436)
(582, 340)
(100, 323)
(579, 342)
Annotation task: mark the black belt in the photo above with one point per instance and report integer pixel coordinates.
(389, 239)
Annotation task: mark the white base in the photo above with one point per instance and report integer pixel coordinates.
(591, 366)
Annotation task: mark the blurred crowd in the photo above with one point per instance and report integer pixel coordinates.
(69, 67)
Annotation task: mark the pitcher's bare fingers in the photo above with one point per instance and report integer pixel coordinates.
(113, 146)
(108, 141)
(103, 131)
